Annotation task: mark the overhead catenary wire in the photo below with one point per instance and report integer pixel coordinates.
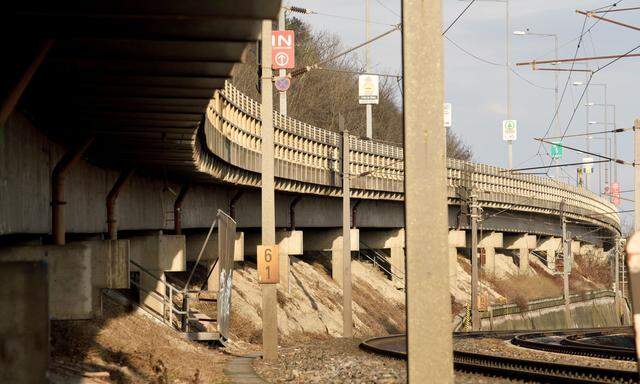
(617, 130)
(301, 71)
(589, 153)
(458, 17)
(550, 166)
(306, 11)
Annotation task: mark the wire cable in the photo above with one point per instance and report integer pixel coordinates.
(458, 17)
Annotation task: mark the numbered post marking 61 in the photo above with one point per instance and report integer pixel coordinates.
(268, 265)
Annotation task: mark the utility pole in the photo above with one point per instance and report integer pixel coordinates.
(369, 107)
(566, 266)
(347, 314)
(616, 280)
(475, 314)
(636, 162)
(282, 17)
(587, 137)
(269, 299)
(427, 289)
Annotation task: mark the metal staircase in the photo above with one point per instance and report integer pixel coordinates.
(381, 261)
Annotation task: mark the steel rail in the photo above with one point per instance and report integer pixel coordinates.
(524, 369)
(569, 345)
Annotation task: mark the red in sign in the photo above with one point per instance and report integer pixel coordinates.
(283, 54)
(615, 193)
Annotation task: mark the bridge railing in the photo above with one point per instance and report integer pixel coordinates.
(310, 157)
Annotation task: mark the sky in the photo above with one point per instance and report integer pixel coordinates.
(477, 89)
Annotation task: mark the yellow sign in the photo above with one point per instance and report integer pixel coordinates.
(268, 264)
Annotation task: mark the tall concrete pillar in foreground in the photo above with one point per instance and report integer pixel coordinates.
(268, 201)
(429, 341)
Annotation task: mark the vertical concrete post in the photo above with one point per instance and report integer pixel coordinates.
(112, 197)
(177, 209)
(269, 299)
(490, 260)
(523, 254)
(58, 228)
(347, 315)
(566, 256)
(428, 298)
(636, 162)
(475, 314)
(633, 263)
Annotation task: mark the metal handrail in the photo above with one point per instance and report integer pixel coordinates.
(173, 308)
(378, 264)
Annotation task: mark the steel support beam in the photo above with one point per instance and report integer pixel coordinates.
(428, 297)
(58, 228)
(112, 197)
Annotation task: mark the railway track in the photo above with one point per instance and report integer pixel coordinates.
(521, 369)
(575, 344)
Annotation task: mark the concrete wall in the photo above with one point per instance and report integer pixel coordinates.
(27, 158)
(587, 314)
(70, 275)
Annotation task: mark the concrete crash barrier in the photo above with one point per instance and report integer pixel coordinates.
(24, 326)
(70, 286)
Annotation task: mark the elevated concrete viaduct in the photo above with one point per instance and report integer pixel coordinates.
(143, 85)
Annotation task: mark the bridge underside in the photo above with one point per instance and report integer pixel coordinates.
(137, 76)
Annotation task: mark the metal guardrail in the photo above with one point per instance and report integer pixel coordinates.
(379, 255)
(307, 160)
(510, 309)
(169, 309)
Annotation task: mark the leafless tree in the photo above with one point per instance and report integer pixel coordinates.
(320, 95)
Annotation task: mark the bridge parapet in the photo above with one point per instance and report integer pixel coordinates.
(307, 161)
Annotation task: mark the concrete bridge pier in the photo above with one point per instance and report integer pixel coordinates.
(289, 243)
(457, 239)
(550, 246)
(157, 253)
(331, 240)
(524, 244)
(394, 240)
(488, 242)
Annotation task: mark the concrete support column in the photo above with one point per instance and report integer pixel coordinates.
(523, 244)
(457, 239)
(490, 260)
(331, 240)
(551, 246)
(488, 242)
(394, 240)
(289, 243)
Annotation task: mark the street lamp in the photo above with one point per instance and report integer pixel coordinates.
(526, 32)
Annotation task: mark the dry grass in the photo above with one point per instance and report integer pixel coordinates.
(524, 288)
(382, 316)
(133, 349)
